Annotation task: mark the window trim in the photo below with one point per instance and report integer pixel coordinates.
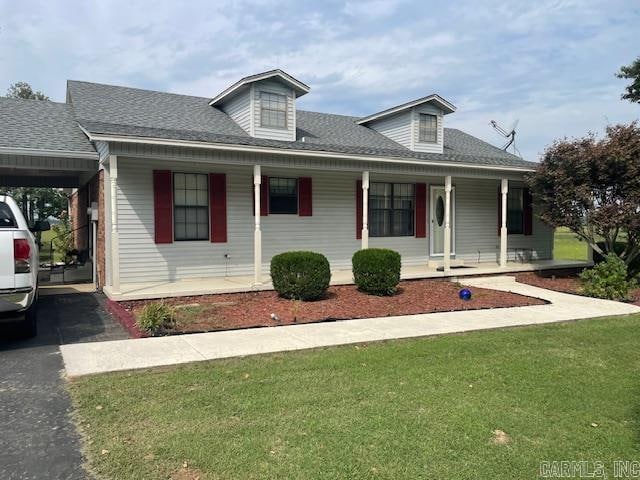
(263, 108)
(511, 231)
(421, 139)
(174, 206)
(392, 210)
(297, 196)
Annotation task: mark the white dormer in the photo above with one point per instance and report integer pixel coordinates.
(264, 105)
(417, 125)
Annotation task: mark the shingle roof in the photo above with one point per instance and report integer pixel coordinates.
(108, 109)
(43, 125)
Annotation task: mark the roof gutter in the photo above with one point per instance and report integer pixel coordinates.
(37, 152)
(294, 152)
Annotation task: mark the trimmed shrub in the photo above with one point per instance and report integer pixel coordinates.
(376, 270)
(300, 275)
(607, 279)
(633, 269)
(155, 317)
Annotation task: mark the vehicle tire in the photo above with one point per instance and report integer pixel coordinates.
(29, 326)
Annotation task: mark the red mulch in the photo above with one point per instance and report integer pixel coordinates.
(254, 309)
(563, 283)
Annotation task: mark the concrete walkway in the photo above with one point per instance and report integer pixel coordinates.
(90, 358)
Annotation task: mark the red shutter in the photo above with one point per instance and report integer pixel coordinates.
(358, 209)
(163, 206)
(305, 197)
(527, 212)
(264, 196)
(421, 210)
(218, 207)
(499, 210)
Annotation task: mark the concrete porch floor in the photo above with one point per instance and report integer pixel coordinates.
(204, 286)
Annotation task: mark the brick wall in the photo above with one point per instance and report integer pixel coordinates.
(79, 202)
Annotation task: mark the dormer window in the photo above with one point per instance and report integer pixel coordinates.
(428, 128)
(273, 110)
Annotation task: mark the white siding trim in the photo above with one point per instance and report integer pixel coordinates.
(328, 156)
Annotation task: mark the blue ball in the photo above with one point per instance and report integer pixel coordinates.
(465, 294)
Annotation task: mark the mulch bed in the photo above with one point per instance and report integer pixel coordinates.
(569, 283)
(255, 309)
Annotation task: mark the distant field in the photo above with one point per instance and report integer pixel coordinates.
(567, 246)
(45, 250)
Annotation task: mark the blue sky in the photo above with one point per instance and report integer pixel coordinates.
(550, 64)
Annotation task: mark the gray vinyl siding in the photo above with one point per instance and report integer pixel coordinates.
(396, 127)
(274, 133)
(477, 235)
(423, 146)
(239, 109)
(331, 230)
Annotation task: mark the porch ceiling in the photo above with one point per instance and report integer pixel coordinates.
(28, 170)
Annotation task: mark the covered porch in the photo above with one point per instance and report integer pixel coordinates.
(244, 283)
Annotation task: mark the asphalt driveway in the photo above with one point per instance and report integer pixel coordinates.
(37, 437)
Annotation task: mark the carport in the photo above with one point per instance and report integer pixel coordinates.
(41, 145)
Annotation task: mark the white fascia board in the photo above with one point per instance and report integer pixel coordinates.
(37, 152)
(448, 107)
(300, 87)
(300, 153)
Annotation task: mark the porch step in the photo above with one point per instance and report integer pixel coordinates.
(435, 264)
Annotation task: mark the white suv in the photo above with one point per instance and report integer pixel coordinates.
(18, 266)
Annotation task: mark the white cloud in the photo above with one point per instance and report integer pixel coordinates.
(551, 63)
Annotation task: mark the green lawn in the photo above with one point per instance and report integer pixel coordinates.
(567, 246)
(45, 250)
(422, 408)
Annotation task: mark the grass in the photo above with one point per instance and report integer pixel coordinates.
(567, 246)
(45, 251)
(420, 409)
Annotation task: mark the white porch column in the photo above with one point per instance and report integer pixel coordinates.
(257, 233)
(115, 244)
(447, 224)
(365, 209)
(504, 190)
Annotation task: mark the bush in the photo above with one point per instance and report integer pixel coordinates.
(376, 270)
(300, 275)
(156, 316)
(633, 269)
(607, 279)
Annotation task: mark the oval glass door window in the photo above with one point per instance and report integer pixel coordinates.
(440, 211)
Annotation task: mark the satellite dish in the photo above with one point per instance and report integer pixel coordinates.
(509, 134)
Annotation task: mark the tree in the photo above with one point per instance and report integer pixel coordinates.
(39, 203)
(631, 72)
(23, 90)
(592, 186)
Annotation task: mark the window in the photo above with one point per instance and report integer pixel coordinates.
(391, 209)
(428, 128)
(7, 220)
(273, 110)
(283, 195)
(515, 211)
(190, 206)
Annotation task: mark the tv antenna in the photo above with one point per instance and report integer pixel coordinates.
(509, 134)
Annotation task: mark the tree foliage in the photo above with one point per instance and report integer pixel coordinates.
(38, 203)
(631, 72)
(23, 90)
(592, 186)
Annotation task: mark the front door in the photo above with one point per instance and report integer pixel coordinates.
(437, 220)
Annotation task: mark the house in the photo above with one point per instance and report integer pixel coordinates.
(196, 195)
